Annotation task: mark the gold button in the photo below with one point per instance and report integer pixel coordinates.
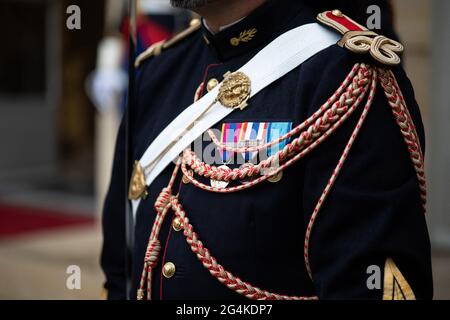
(212, 84)
(194, 22)
(177, 225)
(276, 178)
(168, 270)
(337, 13)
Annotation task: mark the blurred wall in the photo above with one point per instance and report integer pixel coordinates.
(46, 118)
(30, 65)
(438, 129)
(413, 23)
(76, 114)
(424, 28)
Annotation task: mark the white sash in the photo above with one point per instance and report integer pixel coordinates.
(278, 58)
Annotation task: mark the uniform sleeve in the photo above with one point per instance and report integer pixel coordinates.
(373, 213)
(113, 222)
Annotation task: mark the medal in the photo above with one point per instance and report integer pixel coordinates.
(276, 177)
(273, 177)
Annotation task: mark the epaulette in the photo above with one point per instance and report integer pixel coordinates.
(359, 39)
(156, 48)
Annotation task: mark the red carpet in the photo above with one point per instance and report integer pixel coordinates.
(18, 220)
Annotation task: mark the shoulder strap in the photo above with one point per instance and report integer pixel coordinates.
(359, 39)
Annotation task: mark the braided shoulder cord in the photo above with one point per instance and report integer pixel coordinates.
(318, 127)
(403, 118)
(336, 172)
(407, 128)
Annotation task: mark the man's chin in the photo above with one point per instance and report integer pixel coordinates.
(190, 4)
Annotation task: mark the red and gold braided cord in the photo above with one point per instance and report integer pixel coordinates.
(162, 207)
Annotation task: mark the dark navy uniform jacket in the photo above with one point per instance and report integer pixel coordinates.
(372, 213)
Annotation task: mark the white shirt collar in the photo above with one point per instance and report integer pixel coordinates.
(221, 28)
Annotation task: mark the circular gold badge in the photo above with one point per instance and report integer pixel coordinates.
(235, 90)
(247, 179)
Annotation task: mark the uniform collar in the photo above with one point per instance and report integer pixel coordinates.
(255, 30)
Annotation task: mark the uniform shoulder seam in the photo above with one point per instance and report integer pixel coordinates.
(156, 48)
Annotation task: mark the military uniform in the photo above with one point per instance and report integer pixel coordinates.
(372, 214)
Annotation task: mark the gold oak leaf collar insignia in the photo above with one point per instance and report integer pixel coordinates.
(245, 36)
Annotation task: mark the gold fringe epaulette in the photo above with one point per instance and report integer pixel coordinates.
(156, 48)
(359, 39)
